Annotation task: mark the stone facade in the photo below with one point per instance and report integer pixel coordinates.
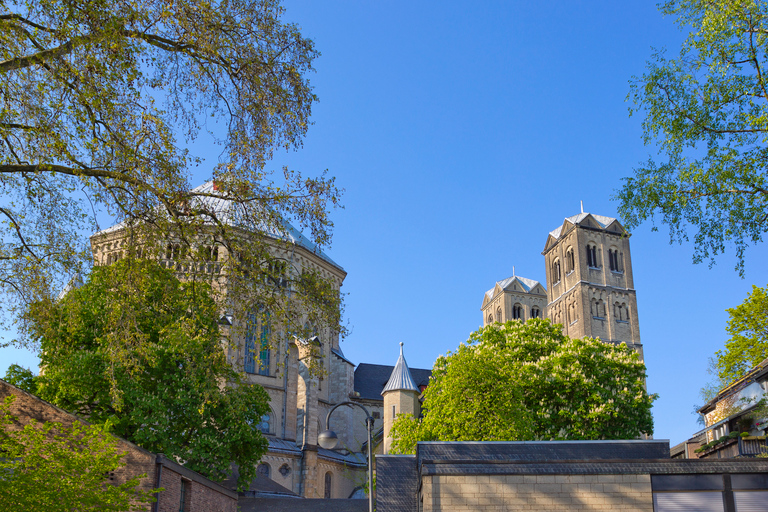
(589, 284)
(514, 298)
(537, 493)
(299, 398)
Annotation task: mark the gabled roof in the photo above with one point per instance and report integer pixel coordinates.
(400, 379)
(233, 214)
(601, 220)
(585, 219)
(526, 285)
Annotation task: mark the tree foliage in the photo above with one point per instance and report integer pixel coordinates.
(138, 349)
(22, 378)
(524, 381)
(51, 467)
(102, 100)
(748, 345)
(707, 112)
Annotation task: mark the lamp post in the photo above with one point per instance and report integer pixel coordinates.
(328, 440)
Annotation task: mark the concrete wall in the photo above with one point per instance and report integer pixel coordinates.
(537, 492)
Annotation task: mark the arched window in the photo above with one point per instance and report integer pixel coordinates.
(598, 308)
(569, 261)
(257, 322)
(266, 423)
(517, 311)
(535, 312)
(263, 469)
(592, 261)
(615, 260)
(556, 272)
(490, 319)
(498, 313)
(620, 312)
(328, 482)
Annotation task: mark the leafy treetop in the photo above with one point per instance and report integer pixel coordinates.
(52, 467)
(101, 101)
(707, 111)
(139, 350)
(522, 381)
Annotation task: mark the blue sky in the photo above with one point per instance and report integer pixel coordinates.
(462, 133)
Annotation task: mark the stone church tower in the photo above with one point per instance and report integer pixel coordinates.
(590, 289)
(401, 396)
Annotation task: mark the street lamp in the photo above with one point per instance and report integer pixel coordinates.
(328, 440)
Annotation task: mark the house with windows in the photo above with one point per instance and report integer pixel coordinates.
(736, 421)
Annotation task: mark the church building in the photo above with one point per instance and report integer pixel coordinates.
(589, 291)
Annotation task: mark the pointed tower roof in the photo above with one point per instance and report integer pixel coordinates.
(401, 376)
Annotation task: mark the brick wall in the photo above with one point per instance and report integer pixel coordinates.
(206, 496)
(537, 492)
(200, 497)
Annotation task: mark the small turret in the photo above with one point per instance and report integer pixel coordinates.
(401, 396)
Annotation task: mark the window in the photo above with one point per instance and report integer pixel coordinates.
(572, 315)
(393, 412)
(598, 308)
(535, 312)
(275, 274)
(263, 469)
(569, 261)
(592, 256)
(256, 321)
(266, 423)
(613, 259)
(498, 313)
(490, 319)
(517, 311)
(328, 481)
(184, 496)
(620, 312)
(556, 272)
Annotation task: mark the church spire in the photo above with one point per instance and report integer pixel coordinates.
(401, 378)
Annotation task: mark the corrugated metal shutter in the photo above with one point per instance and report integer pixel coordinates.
(688, 501)
(751, 501)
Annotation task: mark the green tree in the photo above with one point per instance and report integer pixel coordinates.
(748, 344)
(707, 112)
(22, 378)
(51, 467)
(523, 381)
(139, 350)
(104, 105)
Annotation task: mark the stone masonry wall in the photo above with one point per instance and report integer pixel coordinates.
(537, 493)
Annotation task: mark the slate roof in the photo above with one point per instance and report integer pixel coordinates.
(370, 379)
(247, 504)
(534, 451)
(400, 378)
(527, 284)
(397, 479)
(575, 219)
(233, 214)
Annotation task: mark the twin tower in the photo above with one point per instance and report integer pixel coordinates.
(590, 289)
(590, 292)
